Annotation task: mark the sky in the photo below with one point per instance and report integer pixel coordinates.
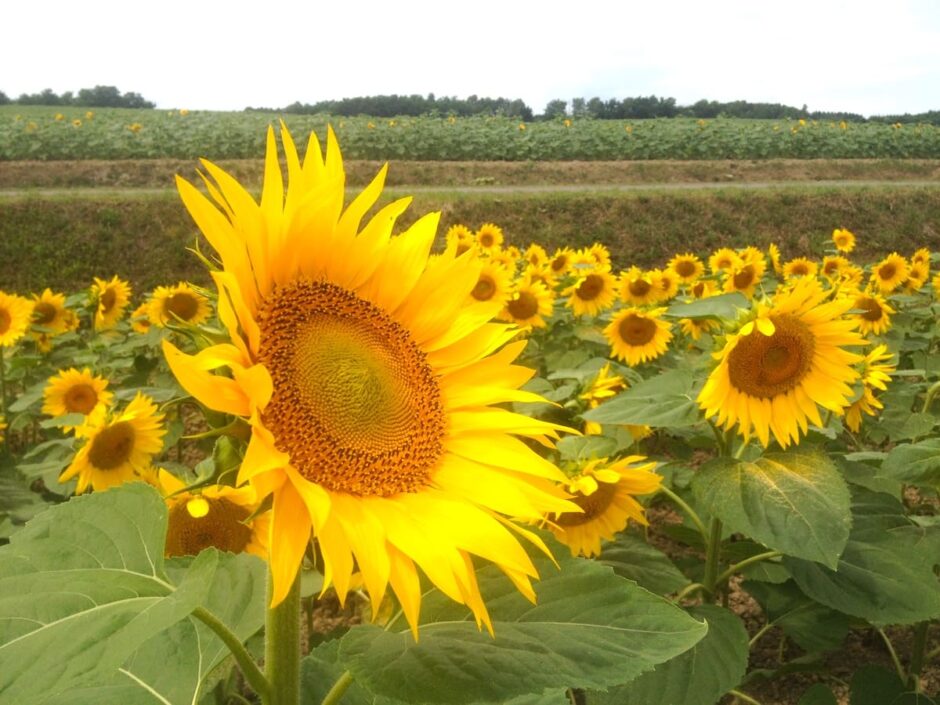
(868, 57)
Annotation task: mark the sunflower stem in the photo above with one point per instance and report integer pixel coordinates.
(338, 689)
(3, 383)
(918, 652)
(894, 656)
(282, 647)
(737, 567)
(712, 551)
(693, 515)
(245, 662)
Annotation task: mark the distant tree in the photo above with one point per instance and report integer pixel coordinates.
(555, 109)
(578, 108)
(4, 99)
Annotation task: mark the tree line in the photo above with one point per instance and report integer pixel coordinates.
(97, 97)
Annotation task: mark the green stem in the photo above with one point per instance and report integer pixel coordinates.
(894, 656)
(744, 697)
(918, 654)
(931, 395)
(712, 551)
(688, 590)
(760, 632)
(3, 383)
(719, 439)
(738, 567)
(339, 687)
(693, 515)
(245, 662)
(282, 647)
(932, 654)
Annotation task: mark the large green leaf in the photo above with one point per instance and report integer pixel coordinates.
(818, 694)
(723, 306)
(874, 685)
(794, 502)
(590, 628)
(633, 558)
(664, 401)
(915, 463)
(885, 574)
(814, 627)
(700, 676)
(82, 586)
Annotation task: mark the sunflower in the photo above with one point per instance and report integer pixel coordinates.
(140, 318)
(600, 256)
(917, 276)
(368, 377)
(774, 372)
(751, 255)
(800, 267)
(687, 267)
(723, 260)
(494, 284)
(178, 304)
(219, 516)
(921, 256)
(528, 306)
(744, 278)
(117, 448)
(876, 313)
(458, 234)
(605, 493)
(702, 289)
(15, 315)
(935, 283)
(560, 262)
(696, 327)
(489, 238)
(595, 291)
(666, 282)
(74, 392)
(876, 373)
(50, 313)
(774, 253)
(637, 336)
(833, 266)
(637, 288)
(603, 387)
(542, 275)
(889, 273)
(112, 298)
(843, 240)
(535, 255)
(504, 258)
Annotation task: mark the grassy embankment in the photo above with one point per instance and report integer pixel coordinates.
(62, 223)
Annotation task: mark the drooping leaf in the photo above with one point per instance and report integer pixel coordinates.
(664, 401)
(794, 502)
(814, 627)
(914, 463)
(874, 685)
(633, 558)
(723, 306)
(818, 694)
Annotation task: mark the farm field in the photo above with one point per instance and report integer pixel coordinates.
(728, 361)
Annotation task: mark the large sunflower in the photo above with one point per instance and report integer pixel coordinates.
(175, 304)
(15, 315)
(112, 297)
(605, 493)
(368, 377)
(74, 392)
(118, 449)
(637, 336)
(774, 372)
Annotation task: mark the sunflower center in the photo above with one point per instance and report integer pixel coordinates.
(559, 263)
(744, 278)
(182, 304)
(887, 271)
(799, 269)
(593, 505)
(462, 247)
(44, 313)
(766, 366)
(484, 289)
(80, 399)
(591, 287)
(5, 320)
(524, 306)
(112, 446)
(107, 300)
(487, 240)
(222, 526)
(636, 330)
(356, 406)
(831, 267)
(640, 287)
(873, 310)
(685, 268)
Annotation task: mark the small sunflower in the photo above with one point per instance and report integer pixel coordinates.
(636, 287)
(876, 373)
(774, 253)
(112, 298)
(876, 313)
(217, 516)
(140, 318)
(666, 282)
(600, 256)
(687, 267)
(843, 240)
(542, 275)
(494, 284)
(74, 392)
(723, 260)
(15, 315)
(702, 289)
(605, 493)
(489, 238)
(752, 255)
(528, 306)
(800, 267)
(889, 273)
(504, 258)
(595, 291)
(178, 304)
(117, 449)
(833, 266)
(3, 428)
(744, 278)
(917, 276)
(778, 368)
(921, 256)
(696, 327)
(457, 234)
(535, 255)
(50, 313)
(560, 262)
(638, 336)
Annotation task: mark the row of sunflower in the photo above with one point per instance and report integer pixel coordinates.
(354, 413)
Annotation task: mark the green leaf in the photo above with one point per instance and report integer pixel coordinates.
(885, 574)
(16, 499)
(874, 685)
(82, 586)
(794, 502)
(667, 400)
(915, 463)
(724, 306)
(913, 699)
(633, 558)
(700, 676)
(590, 628)
(586, 447)
(814, 627)
(818, 694)
(64, 420)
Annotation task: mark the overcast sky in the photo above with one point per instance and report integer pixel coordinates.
(869, 57)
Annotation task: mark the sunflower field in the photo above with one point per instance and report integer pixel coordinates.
(426, 465)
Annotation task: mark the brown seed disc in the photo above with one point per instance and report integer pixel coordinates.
(636, 330)
(485, 288)
(524, 306)
(80, 399)
(112, 446)
(44, 313)
(182, 304)
(591, 287)
(639, 287)
(766, 366)
(593, 505)
(221, 527)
